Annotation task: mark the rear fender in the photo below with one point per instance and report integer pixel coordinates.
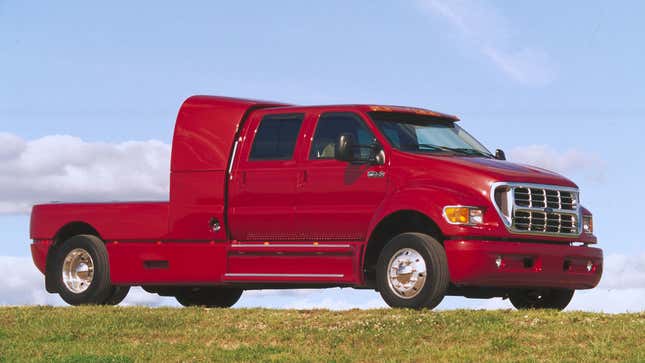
(63, 234)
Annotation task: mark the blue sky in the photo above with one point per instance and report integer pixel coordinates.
(559, 84)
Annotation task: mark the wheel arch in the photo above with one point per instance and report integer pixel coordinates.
(400, 221)
(64, 233)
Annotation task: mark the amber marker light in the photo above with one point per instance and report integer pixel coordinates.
(463, 215)
(587, 224)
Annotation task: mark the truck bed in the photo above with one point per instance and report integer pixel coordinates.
(136, 234)
(130, 221)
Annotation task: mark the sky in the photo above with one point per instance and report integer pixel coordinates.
(89, 93)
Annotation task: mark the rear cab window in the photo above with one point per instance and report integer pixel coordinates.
(276, 137)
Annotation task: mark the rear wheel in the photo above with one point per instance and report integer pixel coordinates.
(212, 297)
(412, 272)
(83, 271)
(557, 299)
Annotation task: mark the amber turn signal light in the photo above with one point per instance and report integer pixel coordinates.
(463, 215)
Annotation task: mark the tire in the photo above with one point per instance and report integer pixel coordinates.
(210, 297)
(557, 299)
(423, 275)
(73, 262)
(118, 294)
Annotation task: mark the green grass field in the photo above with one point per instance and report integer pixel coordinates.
(127, 334)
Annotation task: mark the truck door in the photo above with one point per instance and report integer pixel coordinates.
(302, 219)
(263, 183)
(336, 200)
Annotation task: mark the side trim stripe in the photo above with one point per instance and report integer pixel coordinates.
(282, 245)
(281, 275)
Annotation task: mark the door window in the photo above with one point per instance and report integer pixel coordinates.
(276, 137)
(331, 126)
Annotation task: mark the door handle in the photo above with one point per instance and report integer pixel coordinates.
(302, 178)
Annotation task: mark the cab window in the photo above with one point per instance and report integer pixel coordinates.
(276, 137)
(330, 126)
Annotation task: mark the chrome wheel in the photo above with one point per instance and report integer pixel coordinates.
(406, 273)
(78, 270)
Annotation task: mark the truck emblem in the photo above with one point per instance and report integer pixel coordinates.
(548, 210)
(375, 174)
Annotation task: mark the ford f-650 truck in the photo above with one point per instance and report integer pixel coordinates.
(266, 195)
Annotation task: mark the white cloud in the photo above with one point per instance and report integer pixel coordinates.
(623, 272)
(333, 299)
(22, 284)
(139, 297)
(486, 29)
(569, 161)
(66, 168)
(621, 289)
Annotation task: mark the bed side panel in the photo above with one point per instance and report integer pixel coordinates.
(113, 221)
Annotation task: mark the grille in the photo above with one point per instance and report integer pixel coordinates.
(538, 209)
(531, 221)
(543, 198)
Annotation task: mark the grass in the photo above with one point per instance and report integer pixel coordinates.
(131, 334)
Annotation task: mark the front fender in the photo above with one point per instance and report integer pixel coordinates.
(430, 200)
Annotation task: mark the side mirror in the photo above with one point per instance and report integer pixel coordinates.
(500, 155)
(344, 148)
(379, 156)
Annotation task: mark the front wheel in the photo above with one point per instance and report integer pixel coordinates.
(557, 299)
(211, 297)
(412, 272)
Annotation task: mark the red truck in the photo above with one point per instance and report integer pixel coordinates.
(265, 195)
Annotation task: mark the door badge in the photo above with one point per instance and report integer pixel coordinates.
(375, 174)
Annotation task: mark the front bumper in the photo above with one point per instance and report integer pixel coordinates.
(523, 264)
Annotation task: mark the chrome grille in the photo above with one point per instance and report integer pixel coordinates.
(538, 209)
(531, 221)
(543, 198)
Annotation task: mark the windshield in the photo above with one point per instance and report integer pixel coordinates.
(421, 133)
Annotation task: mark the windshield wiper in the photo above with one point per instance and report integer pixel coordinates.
(458, 150)
(468, 151)
(432, 147)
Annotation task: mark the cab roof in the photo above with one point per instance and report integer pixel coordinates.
(369, 108)
(207, 126)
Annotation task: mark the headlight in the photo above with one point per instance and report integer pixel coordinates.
(463, 215)
(587, 224)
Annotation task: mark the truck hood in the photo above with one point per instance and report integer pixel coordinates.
(475, 170)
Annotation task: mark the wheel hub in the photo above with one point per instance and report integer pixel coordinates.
(406, 273)
(78, 270)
